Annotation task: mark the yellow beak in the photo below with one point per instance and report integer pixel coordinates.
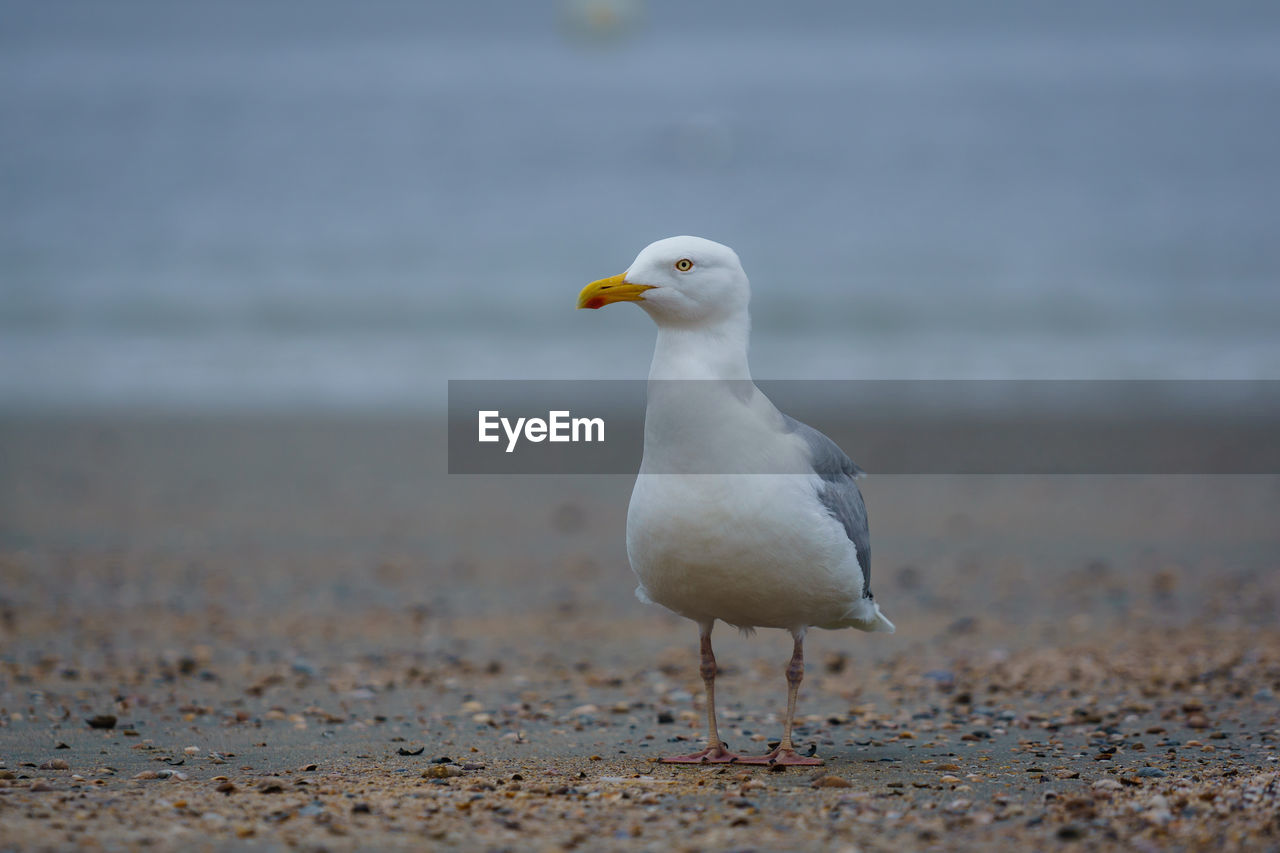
(615, 288)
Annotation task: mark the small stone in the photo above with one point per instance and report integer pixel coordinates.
(1151, 772)
(270, 788)
(102, 721)
(1197, 721)
(302, 666)
(832, 781)
(1106, 785)
(442, 771)
(665, 718)
(950, 780)
(226, 788)
(56, 764)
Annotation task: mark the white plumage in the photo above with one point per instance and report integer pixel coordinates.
(739, 513)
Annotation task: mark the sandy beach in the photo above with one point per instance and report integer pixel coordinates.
(273, 633)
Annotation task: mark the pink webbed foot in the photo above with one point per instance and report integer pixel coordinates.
(710, 755)
(783, 758)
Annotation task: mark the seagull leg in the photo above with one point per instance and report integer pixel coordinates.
(715, 753)
(785, 754)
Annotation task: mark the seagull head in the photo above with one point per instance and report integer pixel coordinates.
(678, 281)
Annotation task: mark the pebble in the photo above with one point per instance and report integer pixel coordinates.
(56, 764)
(442, 771)
(832, 781)
(102, 721)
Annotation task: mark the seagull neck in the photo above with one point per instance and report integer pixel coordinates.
(716, 351)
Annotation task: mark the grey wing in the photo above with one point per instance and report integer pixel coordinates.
(839, 494)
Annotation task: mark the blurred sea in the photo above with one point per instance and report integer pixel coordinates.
(315, 204)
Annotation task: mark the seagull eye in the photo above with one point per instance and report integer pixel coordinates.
(684, 265)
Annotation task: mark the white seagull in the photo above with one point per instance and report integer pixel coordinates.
(739, 513)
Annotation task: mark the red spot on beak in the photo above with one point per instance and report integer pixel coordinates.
(594, 302)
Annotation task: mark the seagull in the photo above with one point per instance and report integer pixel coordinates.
(740, 513)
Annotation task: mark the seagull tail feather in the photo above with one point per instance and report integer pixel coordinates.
(882, 624)
(866, 617)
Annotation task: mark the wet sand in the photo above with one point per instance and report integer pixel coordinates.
(309, 636)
